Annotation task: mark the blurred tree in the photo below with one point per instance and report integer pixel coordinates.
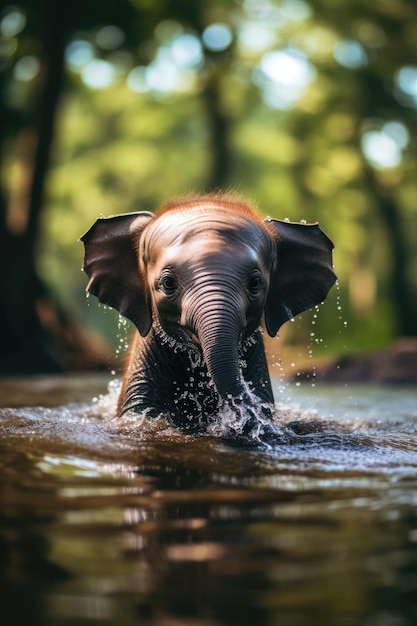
(36, 333)
(350, 144)
(376, 45)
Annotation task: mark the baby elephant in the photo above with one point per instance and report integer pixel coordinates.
(196, 279)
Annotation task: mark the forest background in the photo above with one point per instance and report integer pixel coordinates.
(307, 107)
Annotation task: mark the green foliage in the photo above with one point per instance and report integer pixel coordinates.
(119, 150)
(132, 157)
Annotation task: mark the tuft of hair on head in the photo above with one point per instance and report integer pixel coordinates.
(231, 201)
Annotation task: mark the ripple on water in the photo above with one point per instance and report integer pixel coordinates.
(374, 433)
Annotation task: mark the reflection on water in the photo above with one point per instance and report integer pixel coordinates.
(123, 523)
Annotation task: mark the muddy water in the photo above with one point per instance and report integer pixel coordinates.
(125, 523)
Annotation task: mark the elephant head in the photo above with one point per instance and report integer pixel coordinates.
(204, 271)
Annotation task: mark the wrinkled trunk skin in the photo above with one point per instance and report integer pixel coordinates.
(220, 336)
(219, 343)
(218, 321)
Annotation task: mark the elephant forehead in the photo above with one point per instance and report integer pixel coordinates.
(212, 229)
(212, 253)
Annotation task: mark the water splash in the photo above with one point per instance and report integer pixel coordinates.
(105, 405)
(369, 431)
(342, 321)
(340, 434)
(180, 343)
(123, 334)
(244, 421)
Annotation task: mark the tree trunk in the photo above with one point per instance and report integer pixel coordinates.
(35, 333)
(402, 294)
(219, 129)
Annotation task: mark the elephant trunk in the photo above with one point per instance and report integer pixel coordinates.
(218, 325)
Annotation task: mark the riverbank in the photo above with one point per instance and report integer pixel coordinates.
(393, 365)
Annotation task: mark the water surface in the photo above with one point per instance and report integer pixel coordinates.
(120, 523)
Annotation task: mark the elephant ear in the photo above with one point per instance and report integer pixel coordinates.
(111, 263)
(303, 271)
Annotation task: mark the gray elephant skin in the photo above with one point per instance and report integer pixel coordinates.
(198, 279)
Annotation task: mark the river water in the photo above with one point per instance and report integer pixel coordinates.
(133, 523)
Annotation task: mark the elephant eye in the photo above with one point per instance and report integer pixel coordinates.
(168, 283)
(255, 283)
